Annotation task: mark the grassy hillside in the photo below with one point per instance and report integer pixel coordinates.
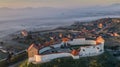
(104, 60)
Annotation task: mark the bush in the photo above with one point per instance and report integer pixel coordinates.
(3, 63)
(14, 59)
(19, 57)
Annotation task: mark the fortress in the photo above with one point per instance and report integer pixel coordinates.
(75, 48)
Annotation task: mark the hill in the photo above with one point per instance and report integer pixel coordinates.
(104, 60)
(110, 30)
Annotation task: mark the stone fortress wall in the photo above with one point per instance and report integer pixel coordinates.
(91, 50)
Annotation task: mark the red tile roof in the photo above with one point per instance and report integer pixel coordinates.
(33, 45)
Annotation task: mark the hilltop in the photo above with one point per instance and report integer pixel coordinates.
(106, 27)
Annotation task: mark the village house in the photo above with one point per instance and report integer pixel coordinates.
(24, 33)
(100, 25)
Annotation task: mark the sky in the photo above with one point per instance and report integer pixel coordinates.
(55, 3)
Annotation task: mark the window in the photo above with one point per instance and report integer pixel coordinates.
(97, 47)
(100, 50)
(83, 49)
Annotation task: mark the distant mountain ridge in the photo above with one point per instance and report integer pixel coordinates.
(49, 12)
(97, 6)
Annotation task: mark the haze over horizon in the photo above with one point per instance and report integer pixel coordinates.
(55, 3)
(34, 13)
